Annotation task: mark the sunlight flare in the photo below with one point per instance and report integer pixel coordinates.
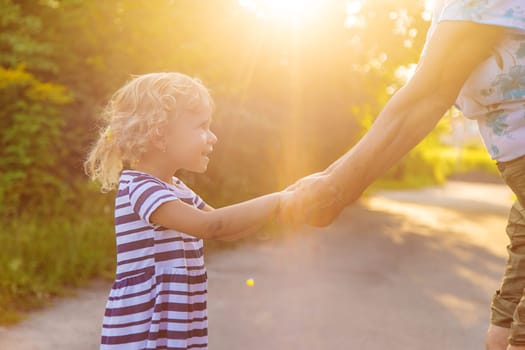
(291, 11)
(353, 17)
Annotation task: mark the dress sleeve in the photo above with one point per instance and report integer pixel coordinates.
(194, 199)
(147, 194)
(503, 13)
(199, 202)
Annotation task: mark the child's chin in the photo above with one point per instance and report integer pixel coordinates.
(200, 170)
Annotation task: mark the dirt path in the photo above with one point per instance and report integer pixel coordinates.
(404, 270)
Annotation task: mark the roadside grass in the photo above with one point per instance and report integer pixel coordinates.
(46, 257)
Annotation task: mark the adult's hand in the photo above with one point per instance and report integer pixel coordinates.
(316, 201)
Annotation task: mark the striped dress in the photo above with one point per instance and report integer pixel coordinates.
(158, 300)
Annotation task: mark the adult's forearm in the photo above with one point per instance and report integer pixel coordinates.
(402, 124)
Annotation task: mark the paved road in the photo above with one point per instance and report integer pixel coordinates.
(403, 270)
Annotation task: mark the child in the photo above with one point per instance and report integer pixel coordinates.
(157, 124)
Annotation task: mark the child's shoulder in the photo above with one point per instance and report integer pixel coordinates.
(135, 182)
(134, 179)
(186, 194)
(179, 183)
(135, 176)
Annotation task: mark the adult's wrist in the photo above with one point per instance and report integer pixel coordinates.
(347, 188)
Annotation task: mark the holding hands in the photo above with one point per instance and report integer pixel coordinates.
(314, 200)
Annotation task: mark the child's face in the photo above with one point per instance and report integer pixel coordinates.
(189, 141)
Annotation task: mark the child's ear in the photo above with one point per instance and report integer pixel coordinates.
(158, 140)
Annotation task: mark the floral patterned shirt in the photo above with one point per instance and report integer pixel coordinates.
(494, 94)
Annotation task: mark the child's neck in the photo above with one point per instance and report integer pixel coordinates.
(160, 171)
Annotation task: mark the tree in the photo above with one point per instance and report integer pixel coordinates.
(30, 120)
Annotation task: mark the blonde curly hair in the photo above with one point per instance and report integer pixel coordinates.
(135, 114)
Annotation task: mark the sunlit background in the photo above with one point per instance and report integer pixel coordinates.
(296, 83)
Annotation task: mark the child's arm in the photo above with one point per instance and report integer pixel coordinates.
(241, 234)
(231, 222)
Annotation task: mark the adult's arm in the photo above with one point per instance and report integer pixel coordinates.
(453, 52)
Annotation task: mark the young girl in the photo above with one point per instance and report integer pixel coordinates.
(157, 124)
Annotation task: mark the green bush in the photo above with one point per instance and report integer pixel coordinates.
(433, 165)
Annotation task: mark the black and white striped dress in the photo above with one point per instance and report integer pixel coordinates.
(158, 300)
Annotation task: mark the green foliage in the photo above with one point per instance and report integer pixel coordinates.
(31, 120)
(30, 130)
(20, 39)
(426, 166)
(432, 161)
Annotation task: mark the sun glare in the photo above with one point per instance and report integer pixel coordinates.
(353, 19)
(427, 13)
(291, 11)
(353, 7)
